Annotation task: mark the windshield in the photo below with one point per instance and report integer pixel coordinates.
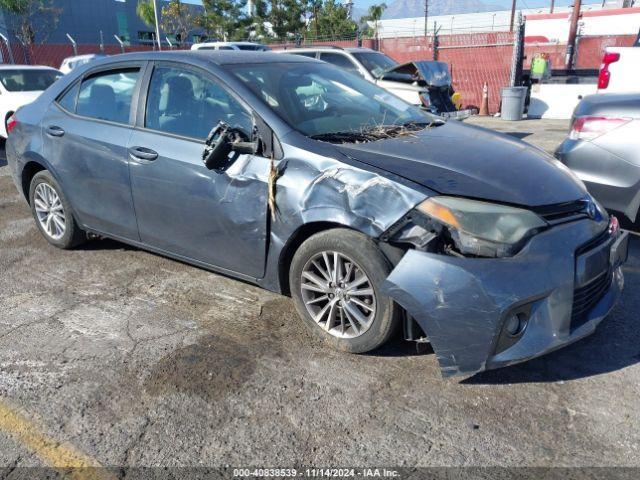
(375, 63)
(28, 80)
(319, 99)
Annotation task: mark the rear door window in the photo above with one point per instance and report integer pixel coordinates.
(186, 103)
(339, 60)
(108, 95)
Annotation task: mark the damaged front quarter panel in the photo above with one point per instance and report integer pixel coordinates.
(325, 187)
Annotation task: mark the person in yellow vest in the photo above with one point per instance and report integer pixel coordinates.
(540, 67)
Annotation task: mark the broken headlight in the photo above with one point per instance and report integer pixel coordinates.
(480, 228)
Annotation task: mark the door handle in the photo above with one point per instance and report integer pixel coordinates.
(55, 131)
(142, 153)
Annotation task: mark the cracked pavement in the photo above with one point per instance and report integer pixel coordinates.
(138, 360)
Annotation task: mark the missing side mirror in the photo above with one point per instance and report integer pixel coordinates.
(221, 141)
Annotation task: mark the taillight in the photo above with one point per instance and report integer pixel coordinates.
(588, 127)
(605, 75)
(11, 124)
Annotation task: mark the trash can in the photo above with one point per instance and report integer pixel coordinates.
(513, 99)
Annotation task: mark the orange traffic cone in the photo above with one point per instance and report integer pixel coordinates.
(484, 108)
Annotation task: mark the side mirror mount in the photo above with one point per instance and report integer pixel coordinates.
(221, 141)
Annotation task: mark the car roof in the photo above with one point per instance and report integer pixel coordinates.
(26, 67)
(622, 104)
(328, 48)
(86, 55)
(216, 57)
(227, 43)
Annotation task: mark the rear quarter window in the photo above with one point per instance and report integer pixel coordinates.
(108, 95)
(68, 99)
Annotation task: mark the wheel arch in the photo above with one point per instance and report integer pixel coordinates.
(28, 172)
(303, 232)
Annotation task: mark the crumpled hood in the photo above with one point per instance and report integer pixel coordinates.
(432, 73)
(463, 160)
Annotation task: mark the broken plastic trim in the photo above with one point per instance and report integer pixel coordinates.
(429, 234)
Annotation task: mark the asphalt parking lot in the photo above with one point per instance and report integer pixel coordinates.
(113, 356)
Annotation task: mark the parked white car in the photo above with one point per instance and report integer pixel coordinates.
(70, 63)
(20, 85)
(620, 70)
(256, 47)
(422, 83)
(368, 63)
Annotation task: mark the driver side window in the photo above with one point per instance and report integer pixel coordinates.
(188, 104)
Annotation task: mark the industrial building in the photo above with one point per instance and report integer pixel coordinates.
(94, 22)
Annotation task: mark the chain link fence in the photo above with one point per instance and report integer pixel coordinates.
(473, 58)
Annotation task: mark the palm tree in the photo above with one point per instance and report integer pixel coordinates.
(374, 15)
(145, 11)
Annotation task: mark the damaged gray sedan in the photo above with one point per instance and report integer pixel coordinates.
(310, 181)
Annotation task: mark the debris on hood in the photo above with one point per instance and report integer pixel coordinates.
(372, 133)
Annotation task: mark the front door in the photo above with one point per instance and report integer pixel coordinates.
(218, 218)
(85, 135)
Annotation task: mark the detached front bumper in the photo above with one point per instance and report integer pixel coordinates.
(564, 282)
(459, 114)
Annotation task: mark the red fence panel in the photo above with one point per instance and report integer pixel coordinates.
(591, 49)
(473, 58)
(407, 49)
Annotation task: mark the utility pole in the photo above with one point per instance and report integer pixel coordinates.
(426, 16)
(553, 3)
(513, 15)
(157, 16)
(573, 33)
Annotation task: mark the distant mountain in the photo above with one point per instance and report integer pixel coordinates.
(415, 8)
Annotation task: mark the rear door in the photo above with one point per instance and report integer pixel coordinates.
(85, 135)
(218, 218)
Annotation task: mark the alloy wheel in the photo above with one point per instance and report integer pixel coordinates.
(338, 294)
(49, 211)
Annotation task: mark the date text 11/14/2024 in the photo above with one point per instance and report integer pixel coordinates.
(315, 472)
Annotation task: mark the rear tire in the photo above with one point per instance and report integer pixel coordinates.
(52, 212)
(335, 279)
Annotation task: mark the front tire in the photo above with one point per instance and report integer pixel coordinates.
(52, 212)
(335, 279)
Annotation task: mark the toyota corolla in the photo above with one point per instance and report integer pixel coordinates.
(307, 180)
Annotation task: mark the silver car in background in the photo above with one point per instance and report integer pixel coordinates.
(603, 150)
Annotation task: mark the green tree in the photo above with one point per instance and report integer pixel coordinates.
(31, 20)
(374, 15)
(178, 20)
(146, 12)
(285, 16)
(224, 19)
(331, 20)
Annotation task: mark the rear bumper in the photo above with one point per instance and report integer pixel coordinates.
(463, 304)
(612, 180)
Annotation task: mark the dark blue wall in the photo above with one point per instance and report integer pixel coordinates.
(84, 19)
